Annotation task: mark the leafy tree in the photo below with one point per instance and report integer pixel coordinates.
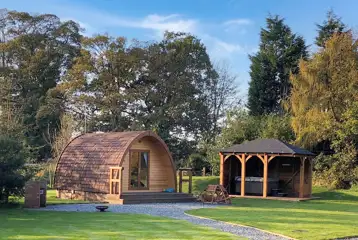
(13, 173)
(36, 51)
(332, 25)
(197, 162)
(173, 87)
(12, 161)
(278, 127)
(323, 105)
(240, 127)
(162, 86)
(103, 79)
(279, 53)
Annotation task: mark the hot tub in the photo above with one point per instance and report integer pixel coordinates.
(254, 185)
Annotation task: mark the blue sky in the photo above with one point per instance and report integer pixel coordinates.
(229, 28)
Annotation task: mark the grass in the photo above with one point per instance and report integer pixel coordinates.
(31, 224)
(18, 223)
(200, 183)
(335, 215)
(50, 200)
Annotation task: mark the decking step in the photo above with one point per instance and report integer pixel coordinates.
(155, 196)
(161, 200)
(150, 197)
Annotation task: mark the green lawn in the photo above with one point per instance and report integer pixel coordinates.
(334, 215)
(32, 224)
(50, 199)
(200, 183)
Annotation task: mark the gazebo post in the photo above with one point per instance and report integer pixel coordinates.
(243, 174)
(221, 169)
(264, 194)
(302, 177)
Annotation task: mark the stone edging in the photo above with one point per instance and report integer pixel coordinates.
(240, 225)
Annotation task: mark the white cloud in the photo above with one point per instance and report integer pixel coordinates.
(237, 25)
(171, 22)
(158, 23)
(239, 21)
(228, 47)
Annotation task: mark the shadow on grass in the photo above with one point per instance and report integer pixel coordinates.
(337, 195)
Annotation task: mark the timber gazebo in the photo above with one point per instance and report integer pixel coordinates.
(266, 167)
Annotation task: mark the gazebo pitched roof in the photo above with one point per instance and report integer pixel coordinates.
(270, 146)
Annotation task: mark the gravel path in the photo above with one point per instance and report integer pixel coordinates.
(172, 210)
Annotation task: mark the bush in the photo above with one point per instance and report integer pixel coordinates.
(13, 174)
(338, 170)
(197, 162)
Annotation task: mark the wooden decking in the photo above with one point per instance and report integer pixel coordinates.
(293, 199)
(150, 197)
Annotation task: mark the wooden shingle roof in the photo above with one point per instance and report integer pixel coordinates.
(85, 162)
(270, 146)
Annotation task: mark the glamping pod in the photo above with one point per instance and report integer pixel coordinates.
(116, 165)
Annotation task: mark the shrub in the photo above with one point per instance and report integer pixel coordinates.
(13, 173)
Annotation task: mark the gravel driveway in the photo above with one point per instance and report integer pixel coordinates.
(171, 210)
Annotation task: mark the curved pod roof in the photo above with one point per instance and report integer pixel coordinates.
(84, 163)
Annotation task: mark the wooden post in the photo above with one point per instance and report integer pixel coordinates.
(310, 175)
(120, 177)
(204, 172)
(190, 181)
(243, 174)
(264, 194)
(221, 169)
(180, 181)
(302, 178)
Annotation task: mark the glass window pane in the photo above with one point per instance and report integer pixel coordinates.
(134, 169)
(144, 170)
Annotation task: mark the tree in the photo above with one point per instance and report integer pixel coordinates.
(222, 95)
(239, 126)
(174, 86)
(13, 173)
(197, 162)
(279, 53)
(278, 127)
(36, 52)
(103, 81)
(323, 104)
(332, 25)
(161, 86)
(12, 162)
(60, 141)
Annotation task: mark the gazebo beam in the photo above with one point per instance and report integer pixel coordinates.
(248, 157)
(271, 157)
(261, 157)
